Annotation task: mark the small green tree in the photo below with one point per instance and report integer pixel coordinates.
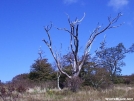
(41, 70)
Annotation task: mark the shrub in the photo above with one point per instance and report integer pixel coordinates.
(74, 83)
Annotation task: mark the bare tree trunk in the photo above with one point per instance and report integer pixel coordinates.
(58, 81)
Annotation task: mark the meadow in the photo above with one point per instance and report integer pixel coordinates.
(117, 92)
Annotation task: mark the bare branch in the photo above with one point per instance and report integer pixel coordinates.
(55, 55)
(82, 18)
(74, 42)
(96, 32)
(47, 29)
(68, 18)
(78, 21)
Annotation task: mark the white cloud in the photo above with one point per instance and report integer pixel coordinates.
(69, 1)
(118, 4)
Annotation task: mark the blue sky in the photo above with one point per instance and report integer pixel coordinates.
(22, 29)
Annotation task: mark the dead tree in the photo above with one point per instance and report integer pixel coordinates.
(74, 43)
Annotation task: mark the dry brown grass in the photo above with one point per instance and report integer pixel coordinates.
(85, 94)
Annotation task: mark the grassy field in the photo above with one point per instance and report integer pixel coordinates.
(85, 94)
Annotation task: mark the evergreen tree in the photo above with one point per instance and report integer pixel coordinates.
(41, 70)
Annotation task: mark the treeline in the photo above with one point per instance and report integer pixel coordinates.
(101, 70)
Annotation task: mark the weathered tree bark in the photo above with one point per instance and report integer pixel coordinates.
(58, 81)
